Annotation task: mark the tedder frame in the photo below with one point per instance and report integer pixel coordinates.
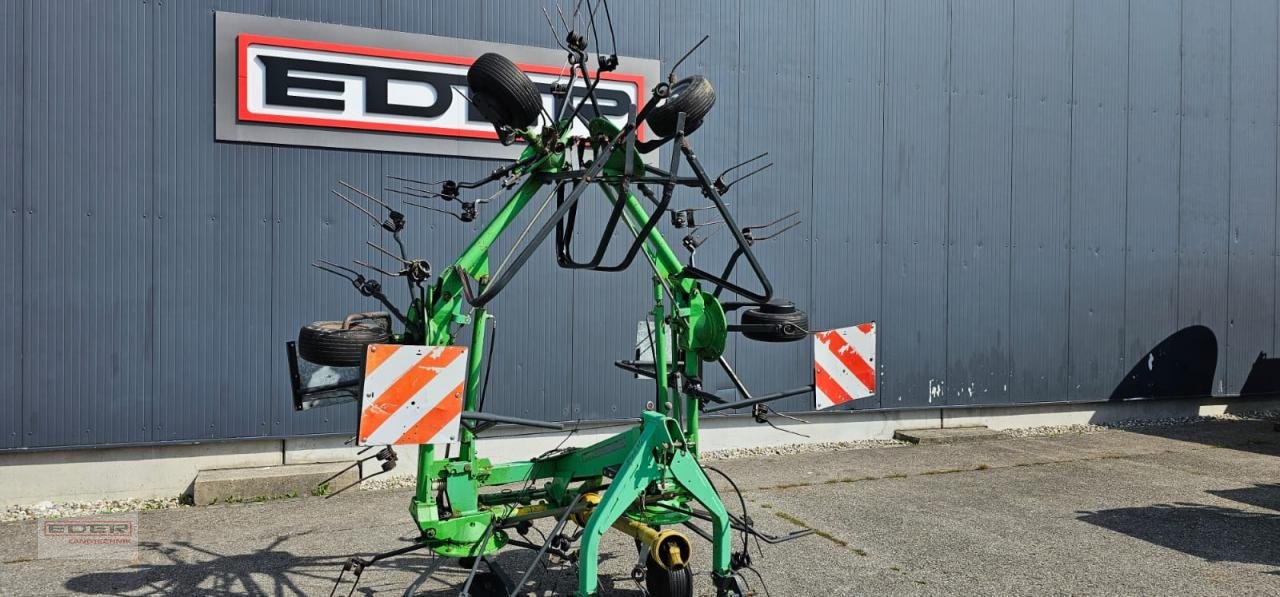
(643, 481)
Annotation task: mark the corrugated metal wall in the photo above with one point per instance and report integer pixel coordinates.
(1028, 195)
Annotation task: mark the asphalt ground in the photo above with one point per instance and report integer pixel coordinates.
(1188, 510)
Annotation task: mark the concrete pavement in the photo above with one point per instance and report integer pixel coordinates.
(1173, 510)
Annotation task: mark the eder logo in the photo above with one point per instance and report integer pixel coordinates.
(103, 537)
(331, 85)
(89, 528)
(308, 84)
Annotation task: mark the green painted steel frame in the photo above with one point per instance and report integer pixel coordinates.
(659, 454)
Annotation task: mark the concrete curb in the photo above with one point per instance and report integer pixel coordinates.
(259, 484)
(949, 435)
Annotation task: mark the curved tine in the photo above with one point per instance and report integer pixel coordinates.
(490, 197)
(613, 39)
(403, 179)
(375, 219)
(709, 234)
(386, 252)
(371, 197)
(786, 416)
(554, 34)
(747, 175)
(732, 168)
(459, 218)
(672, 72)
(415, 193)
(334, 272)
(473, 105)
(562, 19)
(341, 267)
(375, 268)
(703, 208)
(591, 13)
(770, 423)
(577, 7)
(792, 214)
(429, 193)
(789, 227)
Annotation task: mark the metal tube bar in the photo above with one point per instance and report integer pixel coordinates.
(760, 399)
(467, 443)
(541, 552)
(490, 417)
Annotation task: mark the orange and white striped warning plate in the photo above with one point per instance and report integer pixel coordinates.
(844, 364)
(412, 394)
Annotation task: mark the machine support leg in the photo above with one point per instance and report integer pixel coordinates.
(423, 505)
(635, 474)
(467, 445)
(690, 476)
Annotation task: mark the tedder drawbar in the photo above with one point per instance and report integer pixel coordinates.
(417, 387)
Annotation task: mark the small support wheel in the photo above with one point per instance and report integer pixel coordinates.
(503, 93)
(778, 321)
(661, 582)
(692, 95)
(729, 585)
(489, 584)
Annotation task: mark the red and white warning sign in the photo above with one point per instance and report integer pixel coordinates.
(844, 364)
(412, 394)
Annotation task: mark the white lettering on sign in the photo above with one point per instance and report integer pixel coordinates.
(329, 85)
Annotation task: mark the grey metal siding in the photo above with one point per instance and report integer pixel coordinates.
(1041, 200)
(1026, 195)
(12, 214)
(1099, 149)
(913, 279)
(1205, 170)
(87, 256)
(848, 97)
(775, 121)
(212, 227)
(1250, 293)
(1151, 217)
(978, 218)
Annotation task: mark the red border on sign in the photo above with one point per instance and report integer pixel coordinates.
(244, 40)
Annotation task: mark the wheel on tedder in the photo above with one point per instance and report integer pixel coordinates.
(503, 93)
(692, 95)
(337, 344)
(661, 582)
(778, 321)
(489, 584)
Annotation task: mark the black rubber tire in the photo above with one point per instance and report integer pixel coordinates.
(326, 343)
(791, 324)
(489, 584)
(692, 95)
(661, 582)
(502, 92)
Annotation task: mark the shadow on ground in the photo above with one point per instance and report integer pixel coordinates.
(267, 570)
(1184, 365)
(1213, 533)
(190, 569)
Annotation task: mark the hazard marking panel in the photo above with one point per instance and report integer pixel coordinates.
(844, 364)
(412, 394)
